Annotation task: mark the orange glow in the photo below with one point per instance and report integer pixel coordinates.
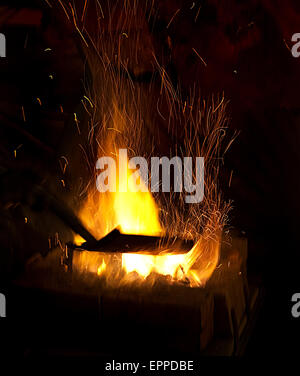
(137, 213)
(145, 264)
(101, 268)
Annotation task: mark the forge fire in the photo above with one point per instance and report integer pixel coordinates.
(134, 220)
(123, 117)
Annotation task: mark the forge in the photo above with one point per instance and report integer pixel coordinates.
(128, 308)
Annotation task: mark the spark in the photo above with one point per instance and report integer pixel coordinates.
(23, 114)
(100, 7)
(82, 101)
(75, 24)
(198, 13)
(77, 122)
(216, 109)
(231, 173)
(48, 3)
(199, 57)
(65, 165)
(286, 45)
(17, 148)
(64, 9)
(88, 99)
(84, 10)
(174, 15)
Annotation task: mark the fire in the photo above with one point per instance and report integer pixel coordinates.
(145, 264)
(137, 213)
(101, 268)
(122, 111)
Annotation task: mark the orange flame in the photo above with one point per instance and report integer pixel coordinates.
(137, 213)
